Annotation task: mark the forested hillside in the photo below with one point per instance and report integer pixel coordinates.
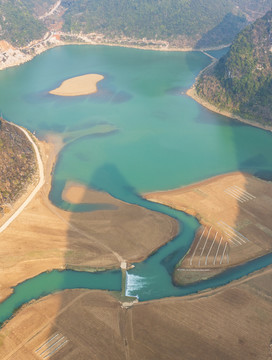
(191, 23)
(242, 80)
(194, 22)
(146, 18)
(17, 163)
(19, 23)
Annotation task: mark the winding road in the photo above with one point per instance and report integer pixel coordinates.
(37, 188)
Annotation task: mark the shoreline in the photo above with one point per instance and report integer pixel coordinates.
(194, 184)
(192, 94)
(23, 58)
(205, 293)
(207, 202)
(212, 291)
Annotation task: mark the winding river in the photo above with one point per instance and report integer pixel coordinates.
(162, 139)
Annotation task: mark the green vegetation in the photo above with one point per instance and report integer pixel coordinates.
(224, 32)
(198, 23)
(17, 163)
(181, 21)
(19, 24)
(242, 80)
(184, 22)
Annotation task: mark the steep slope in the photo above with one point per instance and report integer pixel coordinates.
(241, 81)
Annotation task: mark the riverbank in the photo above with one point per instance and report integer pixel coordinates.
(10, 56)
(193, 94)
(189, 325)
(233, 210)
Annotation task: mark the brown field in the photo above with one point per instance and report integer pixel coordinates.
(79, 85)
(231, 323)
(44, 237)
(235, 213)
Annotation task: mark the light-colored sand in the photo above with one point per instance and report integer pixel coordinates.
(5, 46)
(79, 85)
(234, 210)
(231, 323)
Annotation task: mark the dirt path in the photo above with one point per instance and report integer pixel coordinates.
(51, 12)
(50, 321)
(37, 188)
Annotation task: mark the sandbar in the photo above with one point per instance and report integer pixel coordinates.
(78, 86)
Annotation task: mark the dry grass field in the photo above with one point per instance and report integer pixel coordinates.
(230, 323)
(235, 213)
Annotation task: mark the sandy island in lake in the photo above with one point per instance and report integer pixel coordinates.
(79, 85)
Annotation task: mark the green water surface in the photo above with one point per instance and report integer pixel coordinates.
(150, 136)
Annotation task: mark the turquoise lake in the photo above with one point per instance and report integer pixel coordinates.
(162, 139)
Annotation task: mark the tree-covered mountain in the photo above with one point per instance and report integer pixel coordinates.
(19, 22)
(191, 23)
(183, 22)
(241, 81)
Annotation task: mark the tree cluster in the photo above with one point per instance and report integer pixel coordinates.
(244, 75)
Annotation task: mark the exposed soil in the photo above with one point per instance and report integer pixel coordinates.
(232, 323)
(234, 210)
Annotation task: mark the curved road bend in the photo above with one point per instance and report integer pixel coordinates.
(37, 188)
